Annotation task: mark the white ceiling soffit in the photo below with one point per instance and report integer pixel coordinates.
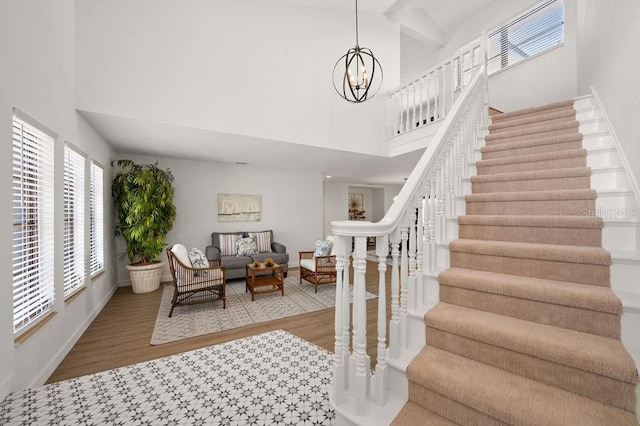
(132, 136)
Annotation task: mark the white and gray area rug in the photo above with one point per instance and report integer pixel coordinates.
(196, 320)
(273, 378)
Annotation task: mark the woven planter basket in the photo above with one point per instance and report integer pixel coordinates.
(146, 278)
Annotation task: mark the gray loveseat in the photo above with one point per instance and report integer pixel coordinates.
(235, 265)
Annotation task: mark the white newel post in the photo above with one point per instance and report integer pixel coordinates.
(341, 345)
(382, 250)
(360, 388)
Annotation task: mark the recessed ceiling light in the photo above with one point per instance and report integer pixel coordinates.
(328, 176)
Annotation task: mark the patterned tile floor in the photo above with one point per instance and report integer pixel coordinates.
(274, 378)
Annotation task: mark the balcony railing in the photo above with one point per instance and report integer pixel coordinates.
(431, 96)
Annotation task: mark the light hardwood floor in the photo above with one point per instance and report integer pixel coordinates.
(121, 333)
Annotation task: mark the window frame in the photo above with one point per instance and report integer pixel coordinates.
(539, 17)
(74, 254)
(33, 148)
(96, 219)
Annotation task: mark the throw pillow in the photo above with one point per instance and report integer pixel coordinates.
(180, 252)
(323, 248)
(246, 246)
(263, 240)
(228, 244)
(198, 259)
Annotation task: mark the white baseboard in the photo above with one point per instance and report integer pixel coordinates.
(46, 372)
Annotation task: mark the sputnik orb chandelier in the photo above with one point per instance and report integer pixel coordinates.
(357, 75)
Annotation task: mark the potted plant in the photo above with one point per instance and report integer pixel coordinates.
(143, 198)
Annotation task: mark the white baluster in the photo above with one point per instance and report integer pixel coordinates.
(413, 120)
(437, 94)
(429, 81)
(432, 222)
(404, 277)
(382, 250)
(412, 293)
(394, 324)
(421, 118)
(405, 93)
(420, 249)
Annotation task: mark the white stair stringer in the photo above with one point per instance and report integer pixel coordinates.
(618, 205)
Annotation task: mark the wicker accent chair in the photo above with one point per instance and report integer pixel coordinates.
(193, 286)
(317, 270)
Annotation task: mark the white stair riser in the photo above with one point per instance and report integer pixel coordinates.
(442, 257)
(617, 204)
(584, 102)
(597, 140)
(398, 383)
(588, 113)
(461, 206)
(603, 157)
(630, 323)
(620, 236)
(624, 275)
(452, 230)
(592, 125)
(613, 178)
(416, 329)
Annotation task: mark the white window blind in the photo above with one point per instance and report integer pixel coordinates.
(96, 216)
(532, 32)
(33, 283)
(73, 253)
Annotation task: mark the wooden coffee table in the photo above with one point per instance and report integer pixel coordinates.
(270, 282)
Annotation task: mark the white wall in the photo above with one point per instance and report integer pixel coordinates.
(37, 45)
(246, 68)
(291, 204)
(608, 60)
(546, 78)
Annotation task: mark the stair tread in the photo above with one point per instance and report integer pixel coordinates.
(550, 252)
(528, 131)
(533, 174)
(531, 110)
(588, 352)
(545, 140)
(535, 221)
(414, 415)
(529, 158)
(533, 119)
(508, 397)
(583, 296)
(548, 195)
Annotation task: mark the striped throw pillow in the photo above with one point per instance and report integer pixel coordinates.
(228, 244)
(263, 240)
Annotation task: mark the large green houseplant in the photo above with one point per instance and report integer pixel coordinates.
(143, 198)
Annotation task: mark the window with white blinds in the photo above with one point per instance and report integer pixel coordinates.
(532, 32)
(33, 282)
(73, 252)
(96, 217)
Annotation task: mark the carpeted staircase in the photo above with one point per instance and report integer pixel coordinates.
(527, 331)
